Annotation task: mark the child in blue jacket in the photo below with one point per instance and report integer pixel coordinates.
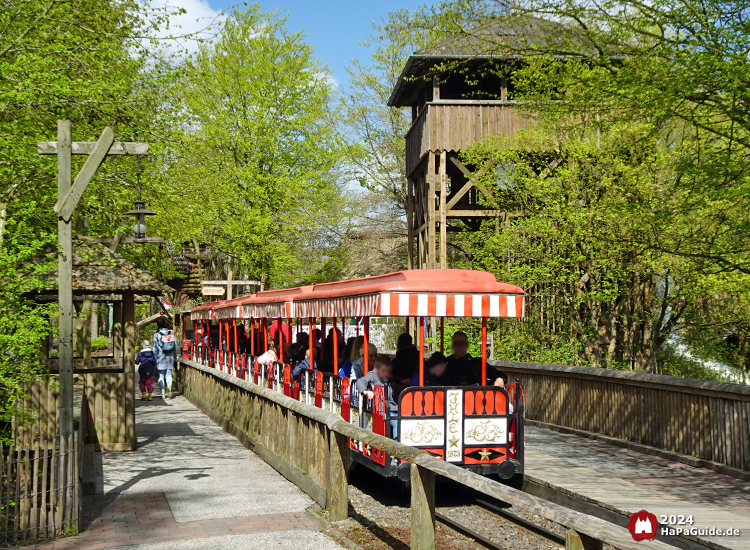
(146, 363)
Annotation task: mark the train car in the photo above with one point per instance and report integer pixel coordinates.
(476, 427)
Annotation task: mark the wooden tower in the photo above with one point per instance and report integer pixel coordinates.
(457, 96)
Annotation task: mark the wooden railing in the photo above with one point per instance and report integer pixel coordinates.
(310, 446)
(706, 420)
(454, 125)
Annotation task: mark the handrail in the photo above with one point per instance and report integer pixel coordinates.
(594, 527)
(674, 383)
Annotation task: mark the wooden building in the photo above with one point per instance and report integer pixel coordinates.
(99, 275)
(458, 95)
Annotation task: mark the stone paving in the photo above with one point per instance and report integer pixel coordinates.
(191, 485)
(629, 481)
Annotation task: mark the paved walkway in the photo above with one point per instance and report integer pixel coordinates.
(628, 481)
(191, 485)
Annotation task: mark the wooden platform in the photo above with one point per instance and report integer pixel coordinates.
(622, 482)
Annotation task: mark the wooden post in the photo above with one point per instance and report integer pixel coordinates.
(65, 281)
(87, 312)
(431, 210)
(338, 484)
(422, 509)
(576, 541)
(443, 242)
(128, 423)
(410, 223)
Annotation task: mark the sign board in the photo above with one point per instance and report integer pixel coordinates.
(213, 291)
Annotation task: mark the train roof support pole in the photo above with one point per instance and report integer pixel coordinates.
(366, 346)
(484, 350)
(335, 347)
(420, 343)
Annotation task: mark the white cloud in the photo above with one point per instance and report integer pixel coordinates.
(200, 20)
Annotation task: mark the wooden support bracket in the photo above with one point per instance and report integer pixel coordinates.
(65, 205)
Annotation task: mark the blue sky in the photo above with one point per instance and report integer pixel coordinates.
(333, 27)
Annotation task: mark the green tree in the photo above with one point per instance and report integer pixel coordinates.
(253, 170)
(88, 61)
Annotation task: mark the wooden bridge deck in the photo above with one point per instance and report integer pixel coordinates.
(624, 481)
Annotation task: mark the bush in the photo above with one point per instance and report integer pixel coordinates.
(100, 343)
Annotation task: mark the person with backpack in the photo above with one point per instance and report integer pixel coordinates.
(165, 348)
(146, 363)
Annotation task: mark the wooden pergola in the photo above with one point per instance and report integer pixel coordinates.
(101, 275)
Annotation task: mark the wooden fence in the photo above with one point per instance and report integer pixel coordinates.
(310, 446)
(704, 420)
(40, 488)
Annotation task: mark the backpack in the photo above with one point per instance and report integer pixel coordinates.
(168, 344)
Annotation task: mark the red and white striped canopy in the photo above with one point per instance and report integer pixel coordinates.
(204, 312)
(414, 304)
(414, 293)
(271, 304)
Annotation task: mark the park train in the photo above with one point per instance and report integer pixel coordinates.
(476, 427)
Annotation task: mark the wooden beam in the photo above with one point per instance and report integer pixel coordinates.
(124, 240)
(473, 179)
(66, 204)
(65, 283)
(482, 213)
(119, 148)
(551, 166)
(468, 185)
(232, 282)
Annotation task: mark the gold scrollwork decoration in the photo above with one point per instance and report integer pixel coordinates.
(423, 433)
(486, 431)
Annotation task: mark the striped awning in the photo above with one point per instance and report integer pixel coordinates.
(202, 314)
(414, 304)
(226, 312)
(275, 310)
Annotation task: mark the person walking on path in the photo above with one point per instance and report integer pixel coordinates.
(164, 350)
(146, 363)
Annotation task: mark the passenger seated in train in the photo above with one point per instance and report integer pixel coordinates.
(434, 370)
(358, 366)
(346, 367)
(292, 352)
(268, 357)
(381, 375)
(406, 362)
(304, 364)
(465, 370)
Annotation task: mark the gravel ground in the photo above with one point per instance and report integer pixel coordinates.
(381, 511)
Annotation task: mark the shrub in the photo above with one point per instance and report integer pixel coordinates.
(99, 343)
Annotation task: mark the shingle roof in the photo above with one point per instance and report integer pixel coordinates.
(96, 269)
